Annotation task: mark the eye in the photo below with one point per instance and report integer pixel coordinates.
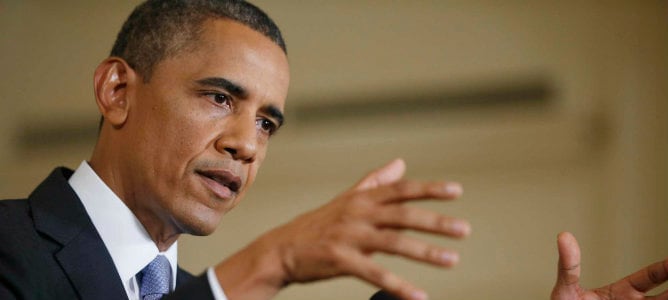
(266, 126)
(220, 98)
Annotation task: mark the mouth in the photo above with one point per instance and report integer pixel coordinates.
(223, 184)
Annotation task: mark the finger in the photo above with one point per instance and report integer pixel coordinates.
(364, 268)
(389, 173)
(392, 242)
(569, 259)
(568, 276)
(649, 277)
(407, 190)
(407, 217)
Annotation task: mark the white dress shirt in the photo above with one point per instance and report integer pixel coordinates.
(128, 243)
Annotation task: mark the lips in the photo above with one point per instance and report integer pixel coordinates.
(222, 183)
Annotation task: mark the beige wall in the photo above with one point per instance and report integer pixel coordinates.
(594, 161)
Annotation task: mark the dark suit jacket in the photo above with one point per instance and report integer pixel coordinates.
(49, 249)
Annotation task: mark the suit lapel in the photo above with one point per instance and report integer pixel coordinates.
(90, 268)
(59, 214)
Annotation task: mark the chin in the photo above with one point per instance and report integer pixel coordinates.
(199, 229)
(200, 223)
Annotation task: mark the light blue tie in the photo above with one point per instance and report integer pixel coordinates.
(155, 279)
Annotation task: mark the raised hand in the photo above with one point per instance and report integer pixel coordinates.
(339, 238)
(634, 286)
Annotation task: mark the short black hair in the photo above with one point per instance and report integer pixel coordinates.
(159, 29)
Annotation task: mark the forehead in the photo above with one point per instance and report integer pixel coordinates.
(230, 50)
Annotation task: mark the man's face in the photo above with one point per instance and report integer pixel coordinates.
(197, 133)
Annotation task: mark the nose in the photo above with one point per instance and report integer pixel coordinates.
(239, 139)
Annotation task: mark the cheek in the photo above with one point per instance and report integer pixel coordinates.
(178, 140)
(250, 178)
(254, 168)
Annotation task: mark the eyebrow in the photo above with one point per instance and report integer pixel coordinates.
(219, 82)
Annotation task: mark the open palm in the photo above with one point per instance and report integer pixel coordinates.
(634, 286)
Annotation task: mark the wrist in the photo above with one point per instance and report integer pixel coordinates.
(255, 272)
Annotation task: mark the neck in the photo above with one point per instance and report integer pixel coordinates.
(108, 165)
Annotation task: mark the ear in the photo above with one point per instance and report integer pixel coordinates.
(112, 80)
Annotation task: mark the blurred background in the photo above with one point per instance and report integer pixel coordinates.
(553, 114)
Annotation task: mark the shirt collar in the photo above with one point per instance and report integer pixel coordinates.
(128, 243)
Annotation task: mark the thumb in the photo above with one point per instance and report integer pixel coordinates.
(389, 173)
(568, 276)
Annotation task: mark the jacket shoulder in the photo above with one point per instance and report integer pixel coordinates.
(29, 270)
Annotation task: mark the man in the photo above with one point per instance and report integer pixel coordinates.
(190, 97)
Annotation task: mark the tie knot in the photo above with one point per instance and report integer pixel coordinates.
(155, 279)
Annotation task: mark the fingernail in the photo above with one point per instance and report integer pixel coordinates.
(419, 295)
(453, 189)
(461, 227)
(449, 257)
